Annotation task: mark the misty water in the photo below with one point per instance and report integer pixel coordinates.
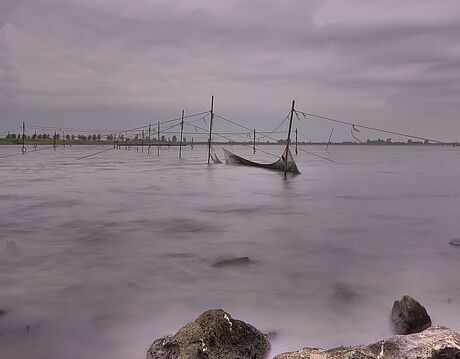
(100, 256)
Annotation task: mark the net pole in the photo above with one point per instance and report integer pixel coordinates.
(296, 151)
(23, 148)
(149, 139)
(181, 132)
(286, 152)
(210, 129)
(254, 147)
(158, 138)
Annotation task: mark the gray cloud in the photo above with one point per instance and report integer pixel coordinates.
(384, 63)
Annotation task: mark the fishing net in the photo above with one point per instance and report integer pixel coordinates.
(214, 157)
(280, 164)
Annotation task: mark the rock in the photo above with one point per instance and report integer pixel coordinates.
(213, 335)
(434, 343)
(409, 316)
(236, 262)
(344, 293)
(455, 242)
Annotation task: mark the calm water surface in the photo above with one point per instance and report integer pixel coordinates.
(102, 255)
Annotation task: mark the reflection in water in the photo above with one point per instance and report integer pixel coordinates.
(100, 256)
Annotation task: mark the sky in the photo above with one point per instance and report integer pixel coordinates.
(118, 64)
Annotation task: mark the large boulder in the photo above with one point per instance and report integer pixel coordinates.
(213, 335)
(433, 343)
(409, 316)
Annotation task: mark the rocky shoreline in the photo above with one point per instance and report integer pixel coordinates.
(216, 335)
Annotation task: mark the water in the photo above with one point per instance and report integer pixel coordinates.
(101, 256)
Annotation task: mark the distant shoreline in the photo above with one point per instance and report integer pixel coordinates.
(10, 142)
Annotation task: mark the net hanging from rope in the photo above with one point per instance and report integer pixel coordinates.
(214, 157)
(279, 165)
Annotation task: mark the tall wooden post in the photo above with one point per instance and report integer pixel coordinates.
(288, 142)
(254, 147)
(181, 131)
(63, 139)
(54, 140)
(23, 148)
(158, 138)
(210, 129)
(296, 151)
(191, 146)
(142, 140)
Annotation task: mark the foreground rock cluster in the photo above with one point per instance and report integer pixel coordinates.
(216, 335)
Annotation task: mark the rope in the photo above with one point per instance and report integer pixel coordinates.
(15, 154)
(314, 154)
(266, 152)
(370, 128)
(251, 129)
(93, 154)
(287, 117)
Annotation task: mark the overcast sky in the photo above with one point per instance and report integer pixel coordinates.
(117, 64)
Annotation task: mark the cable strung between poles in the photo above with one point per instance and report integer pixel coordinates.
(228, 138)
(274, 139)
(93, 154)
(15, 154)
(369, 127)
(251, 129)
(314, 154)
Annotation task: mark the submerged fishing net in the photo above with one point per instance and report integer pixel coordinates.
(214, 157)
(280, 164)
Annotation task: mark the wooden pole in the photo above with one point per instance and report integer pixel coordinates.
(210, 129)
(23, 148)
(254, 147)
(181, 131)
(286, 151)
(142, 140)
(63, 139)
(191, 146)
(54, 140)
(329, 141)
(296, 151)
(158, 138)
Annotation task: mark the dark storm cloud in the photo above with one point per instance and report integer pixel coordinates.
(382, 62)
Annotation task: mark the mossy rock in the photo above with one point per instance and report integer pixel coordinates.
(213, 335)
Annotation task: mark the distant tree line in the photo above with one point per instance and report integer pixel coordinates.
(47, 136)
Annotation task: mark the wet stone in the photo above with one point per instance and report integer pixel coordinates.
(235, 262)
(434, 343)
(213, 335)
(409, 316)
(455, 242)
